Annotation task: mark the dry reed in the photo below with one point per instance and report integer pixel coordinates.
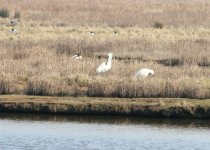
(37, 59)
(144, 13)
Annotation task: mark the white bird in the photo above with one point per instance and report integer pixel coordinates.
(105, 66)
(144, 72)
(115, 33)
(13, 30)
(77, 57)
(91, 33)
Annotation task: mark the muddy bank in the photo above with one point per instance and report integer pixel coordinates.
(141, 107)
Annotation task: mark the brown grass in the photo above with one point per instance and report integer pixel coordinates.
(164, 107)
(37, 59)
(124, 13)
(46, 68)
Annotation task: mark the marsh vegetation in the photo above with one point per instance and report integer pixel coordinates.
(171, 37)
(136, 107)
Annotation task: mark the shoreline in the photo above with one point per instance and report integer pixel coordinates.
(135, 107)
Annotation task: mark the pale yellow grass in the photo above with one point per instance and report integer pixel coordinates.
(103, 33)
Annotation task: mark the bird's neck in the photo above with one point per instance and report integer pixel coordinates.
(109, 61)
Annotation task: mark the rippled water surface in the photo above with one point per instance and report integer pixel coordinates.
(21, 131)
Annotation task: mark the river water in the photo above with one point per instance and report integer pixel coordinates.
(63, 132)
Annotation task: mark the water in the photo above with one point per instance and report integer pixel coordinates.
(26, 131)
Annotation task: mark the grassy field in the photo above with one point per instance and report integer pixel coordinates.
(141, 107)
(37, 59)
(124, 13)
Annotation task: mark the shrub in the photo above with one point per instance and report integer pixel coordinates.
(51, 88)
(38, 88)
(158, 25)
(17, 14)
(5, 87)
(4, 13)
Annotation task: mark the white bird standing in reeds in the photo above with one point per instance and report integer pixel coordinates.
(144, 72)
(77, 57)
(105, 66)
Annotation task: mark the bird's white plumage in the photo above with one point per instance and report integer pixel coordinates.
(105, 66)
(77, 57)
(13, 30)
(91, 33)
(144, 72)
(115, 33)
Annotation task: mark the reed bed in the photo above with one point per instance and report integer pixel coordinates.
(124, 13)
(171, 37)
(48, 69)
